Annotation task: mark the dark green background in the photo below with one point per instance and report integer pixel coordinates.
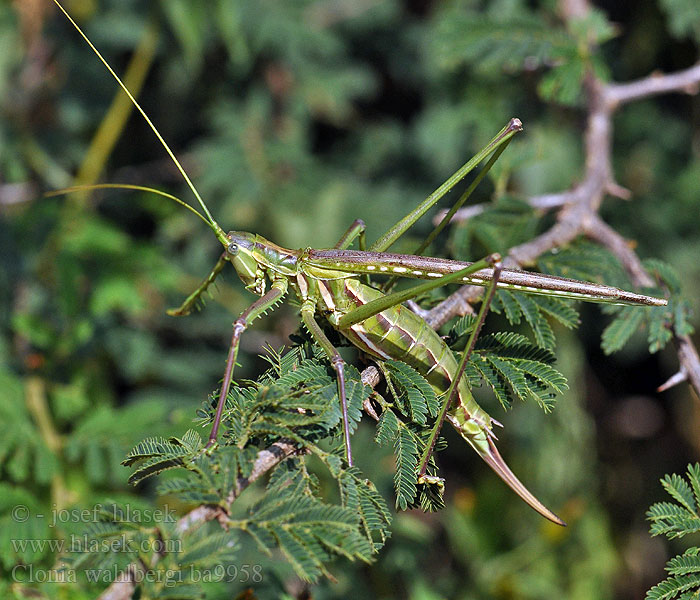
(293, 118)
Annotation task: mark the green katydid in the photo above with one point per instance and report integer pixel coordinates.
(328, 283)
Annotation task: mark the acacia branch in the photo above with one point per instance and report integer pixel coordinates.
(124, 586)
(578, 206)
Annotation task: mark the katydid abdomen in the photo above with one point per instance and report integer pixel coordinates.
(399, 334)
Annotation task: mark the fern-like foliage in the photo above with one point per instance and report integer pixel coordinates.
(660, 322)
(404, 424)
(510, 364)
(291, 518)
(585, 260)
(520, 39)
(534, 311)
(513, 367)
(676, 519)
(295, 402)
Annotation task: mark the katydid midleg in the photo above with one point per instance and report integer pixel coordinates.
(328, 285)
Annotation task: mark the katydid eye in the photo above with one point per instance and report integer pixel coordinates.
(233, 248)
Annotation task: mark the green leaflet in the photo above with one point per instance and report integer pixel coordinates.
(305, 529)
(534, 310)
(585, 260)
(661, 322)
(418, 396)
(406, 451)
(676, 520)
(616, 335)
(515, 368)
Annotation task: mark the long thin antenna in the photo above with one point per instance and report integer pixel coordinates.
(213, 224)
(124, 186)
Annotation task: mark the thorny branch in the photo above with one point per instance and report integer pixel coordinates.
(578, 206)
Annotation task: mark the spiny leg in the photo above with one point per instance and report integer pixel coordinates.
(307, 315)
(453, 390)
(259, 307)
(191, 301)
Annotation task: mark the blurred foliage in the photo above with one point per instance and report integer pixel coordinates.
(293, 119)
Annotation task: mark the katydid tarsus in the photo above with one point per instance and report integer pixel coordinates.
(328, 284)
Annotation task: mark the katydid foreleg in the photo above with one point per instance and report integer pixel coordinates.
(258, 308)
(191, 301)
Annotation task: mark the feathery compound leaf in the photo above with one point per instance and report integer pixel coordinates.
(559, 308)
(514, 367)
(504, 300)
(307, 531)
(661, 321)
(679, 489)
(583, 260)
(665, 273)
(495, 42)
(685, 564)
(360, 496)
(462, 327)
(547, 375)
(153, 466)
(495, 379)
(406, 452)
(514, 376)
(420, 395)
(387, 427)
(676, 520)
(616, 334)
(517, 305)
(509, 344)
(210, 550)
(151, 447)
(544, 336)
(673, 586)
(694, 478)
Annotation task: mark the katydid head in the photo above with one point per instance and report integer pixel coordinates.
(241, 252)
(256, 258)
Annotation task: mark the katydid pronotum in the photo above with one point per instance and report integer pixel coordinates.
(328, 284)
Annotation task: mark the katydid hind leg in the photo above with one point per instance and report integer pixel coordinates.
(376, 306)
(356, 229)
(258, 308)
(481, 440)
(453, 391)
(430, 238)
(307, 314)
(398, 229)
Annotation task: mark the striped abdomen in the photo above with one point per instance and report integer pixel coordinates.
(400, 334)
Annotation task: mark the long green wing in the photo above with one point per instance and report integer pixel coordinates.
(426, 267)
